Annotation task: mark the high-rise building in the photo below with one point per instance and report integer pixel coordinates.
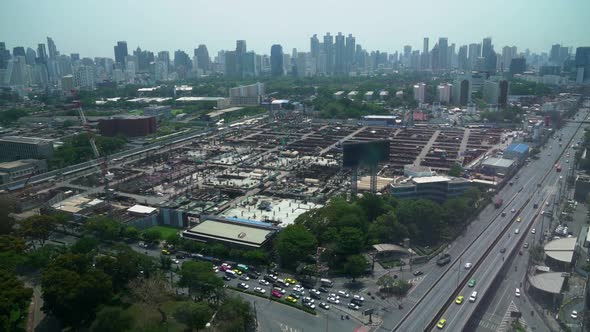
(435, 58)
(53, 53)
(18, 51)
(182, 63)
(461, 92)
(462, 58)
(495, 92)
(76, 57)
(508, 53)
(350, 50)
(425, 58)
(241, 50)
(41, 54)
(276, 60)
(517, 66)
(474, 54)
(339, 50)
(203, 59)
(407, 55)
(583, 65)
(329, 50)
(121, 53)
(554, 53)
(314, 46)
(443, 53)
(4, 56)
(420, 93)
(444, 93)
(164, 58)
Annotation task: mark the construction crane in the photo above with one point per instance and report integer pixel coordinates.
(103, 169)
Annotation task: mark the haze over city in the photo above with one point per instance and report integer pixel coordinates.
(91, 27)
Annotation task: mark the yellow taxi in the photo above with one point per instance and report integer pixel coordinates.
(291, 299)
(291, 281)
(238, 272)
(441, 323)
(518, 219)
(165, 252)
(459, 299)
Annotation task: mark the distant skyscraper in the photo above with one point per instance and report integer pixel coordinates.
(350, 50)
(276, 60)
(314, 46)
(517, 66)
(583, 65)
(443, 53)
(164, 58)
(425, 57)
(554, 53)
(420, 92)
(4, 55)
(329, 50)
(121, 53)
(425, 49)
(41, 54)
(435, 57)
(31, 55)
(474, 54)
(508, 53)
(182, 63)
(203, 58)
(18, 51)
(53, 53)
(462, 58)
(339, 50)
(75, 56)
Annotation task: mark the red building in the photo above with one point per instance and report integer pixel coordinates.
(128, 126)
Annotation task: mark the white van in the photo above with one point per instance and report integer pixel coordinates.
(326, 282)
(473, 297)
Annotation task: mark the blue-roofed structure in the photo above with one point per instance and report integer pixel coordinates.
(517, 151)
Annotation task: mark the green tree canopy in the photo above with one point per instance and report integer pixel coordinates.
(104, 228)
(112, 319)
(355, 266)
(195, 315)
(234, 315)
(14, 301)
(201, 280)
(295, 244)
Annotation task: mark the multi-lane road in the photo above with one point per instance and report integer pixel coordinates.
(478, 245)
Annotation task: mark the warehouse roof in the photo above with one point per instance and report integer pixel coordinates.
(498, 162)
(518, 147)
(232, 232)
(551, 282)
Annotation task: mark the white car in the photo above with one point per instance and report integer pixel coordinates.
(517, 292)
(280, 290)
(353, 306)
(513, 210)
(468, 266)
(324, 305)
(176, 261)
(263, 282)
(546, 203)
(516, 231)
(243, 285)
(343, 294)
(334, 296)
(533, 231)
(358, 297)
(308, 299)
(259, 290)
(333, 300)
(244, 277)
(574, 314)
(309, 305)
(315, 291)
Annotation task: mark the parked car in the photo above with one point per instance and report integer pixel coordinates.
(243, 285)
(323, 290)
(263, 282)
(353, 306)
(244, 277)
(358, 297)
(226, 278)
(343, 294)
(259, 290)
(291, 299)
(333, 300)
(276, 293)
(418, 273)
(324, 305)
(309, 305)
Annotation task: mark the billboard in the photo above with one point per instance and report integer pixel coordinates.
(367, 153)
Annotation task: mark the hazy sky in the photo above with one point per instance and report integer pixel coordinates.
(91, 27)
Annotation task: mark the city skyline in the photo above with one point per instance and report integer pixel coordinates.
(215, 25)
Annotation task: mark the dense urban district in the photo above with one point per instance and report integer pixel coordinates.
(338, 189)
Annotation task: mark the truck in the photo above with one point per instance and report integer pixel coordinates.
(498, 202)
(443, 260)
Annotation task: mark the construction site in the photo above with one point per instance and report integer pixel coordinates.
(270, 170)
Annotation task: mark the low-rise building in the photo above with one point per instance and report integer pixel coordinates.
(436, 188)
(517, 151)
(17, 147)
(128, 126)
(498, 166)
(160, 112)
(21, 169)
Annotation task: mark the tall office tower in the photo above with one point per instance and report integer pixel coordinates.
(489, 54)
(407, 55)
(287, 64)
(452, 57)
(121, 53)
(276, 60)
(443, 53)
(582, 65)
(53, 53)
(249, 69)
(462, 58)
(554, 53)
(487, 47)
(339, 50)
(241, 50)
(425, 57)
(415, 60)
(202, 55)
(314, 46)
(182, 63)
(18, 51)
(508, 54)
(420, 92)
(4, 56)
(517, 66)
(76, 56)
(474, 54)
(564, 53)
(461, 94)
(359, 57)
(435, 57)
(41, 54)
(349, 59)
(229, 63)
(444, 93)
(164, 57)
(329, 50)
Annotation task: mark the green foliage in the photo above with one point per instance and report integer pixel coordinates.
(295, 244)
(11, 115)
(201, 280)
(37, 228)
(387, 229)
(520, 87)
(423, 218)
(73, 290)
(194, 314)
(104, 228)
(84, 245)
(234, 315)
(152, 235)
(112, 319)
(390, 285)
(511, 115)
(14, 301)
(124, 265)
(77, 149)
(456, 170)
(7, 206)
(355, 266)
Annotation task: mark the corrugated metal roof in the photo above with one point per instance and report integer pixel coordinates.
(518, 147)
